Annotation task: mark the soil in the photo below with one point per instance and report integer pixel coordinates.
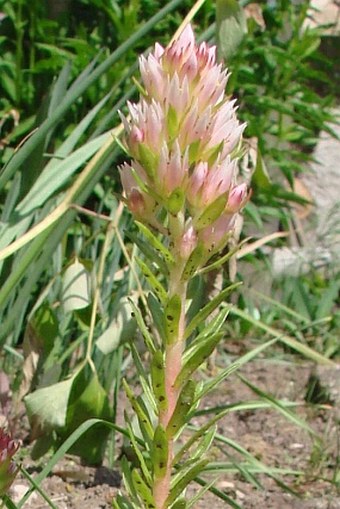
(267, 434)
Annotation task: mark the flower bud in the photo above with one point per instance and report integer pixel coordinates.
(237, 198)
(187, 243)
(8, 469)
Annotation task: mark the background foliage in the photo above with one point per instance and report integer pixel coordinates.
(66, 69)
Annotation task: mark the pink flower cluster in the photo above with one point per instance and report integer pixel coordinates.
(8, 470)
(182, 136)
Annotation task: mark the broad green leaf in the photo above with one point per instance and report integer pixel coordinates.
(47, 407)
(75, 287)
(231, 26)
(121, 329)
(87, 400)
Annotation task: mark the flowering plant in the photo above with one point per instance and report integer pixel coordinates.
(181, 186)
(8, 469)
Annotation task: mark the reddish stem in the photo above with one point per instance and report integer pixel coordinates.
(173, 364)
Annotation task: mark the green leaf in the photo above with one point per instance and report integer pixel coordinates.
(304, 350)
(231, 26)
(152, 280)
(194, 361)
(156, 243)
(198, 434)
(149, 343)
(87, 400)
(143, 489)
(127, 478)
(260, 178)
(172, 318)
(184, 480)
(143, 418)
(277, 405)
(138, 452)
(148, 251)
(208, 309)
(158, 379)
(172, 122)
(148, 159)
(47, 407)
(176, 200)
(120, 330)
(160, 452)
(204, 444)
(157, 313)
(211, 328)
(75, 287)
(182, 409)
(211, 213)
(194, 261)
(180, 504)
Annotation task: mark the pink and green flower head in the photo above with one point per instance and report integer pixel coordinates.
(183, 136)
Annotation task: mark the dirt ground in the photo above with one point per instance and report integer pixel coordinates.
(267, 434)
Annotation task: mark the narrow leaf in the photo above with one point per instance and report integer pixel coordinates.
(172, 318)
(156, 243)
(184, 480)
(143, 418)
(208, 309)
(202, 352)
(152, 280)
(149, 343)
(182, 409)
(160, 452)
(143, 489)
(158, 379)
(194, 261)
